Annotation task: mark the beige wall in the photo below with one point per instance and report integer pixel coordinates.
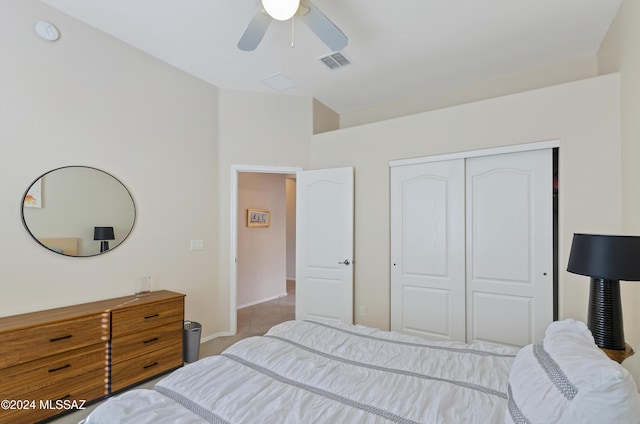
(526, 79)
(262, 252)
(269, 130)
(89, 99)
(291, 228)
(583, 116)
(620, 52)
(324, 118)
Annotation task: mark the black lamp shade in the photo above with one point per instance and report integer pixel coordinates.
(607, 260)
(606, 257)
(103, 233)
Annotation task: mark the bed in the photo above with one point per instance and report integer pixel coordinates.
(323, 372)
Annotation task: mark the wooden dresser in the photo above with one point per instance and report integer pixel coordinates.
(55, 360)
(145, 340)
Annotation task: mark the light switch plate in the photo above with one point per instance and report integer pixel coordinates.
(197, 244)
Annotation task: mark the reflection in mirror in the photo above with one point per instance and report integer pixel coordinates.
(63, 207)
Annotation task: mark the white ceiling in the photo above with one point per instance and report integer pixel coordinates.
(398, 49)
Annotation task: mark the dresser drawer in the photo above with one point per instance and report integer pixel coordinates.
(134, 370)
(28, 344)
(132, 345)
(136, 319)
(40, 373)
(90, 387)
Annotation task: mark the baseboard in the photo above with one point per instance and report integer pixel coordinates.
(246, 305)
(215, 336)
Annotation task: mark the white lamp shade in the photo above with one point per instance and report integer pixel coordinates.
(281, 9)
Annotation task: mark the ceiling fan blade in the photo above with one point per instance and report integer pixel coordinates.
(323, 27)
(256, 29)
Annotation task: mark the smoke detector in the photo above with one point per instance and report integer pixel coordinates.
(46, 31)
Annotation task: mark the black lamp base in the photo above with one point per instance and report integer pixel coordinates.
(104, 246)
(605, 314)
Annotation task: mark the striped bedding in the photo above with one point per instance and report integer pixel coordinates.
(321, 372)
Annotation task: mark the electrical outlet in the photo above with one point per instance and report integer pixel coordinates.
(362, 311)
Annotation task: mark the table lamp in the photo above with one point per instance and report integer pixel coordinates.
(104, 234)
(607, 259)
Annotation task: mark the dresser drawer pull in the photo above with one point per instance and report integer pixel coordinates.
(60, 368)
(152, 316)
(155, 339)
(150, 365)
(60, 338)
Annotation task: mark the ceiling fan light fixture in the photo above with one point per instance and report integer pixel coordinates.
(281, 10)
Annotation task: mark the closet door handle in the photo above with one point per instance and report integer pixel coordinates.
(345, 262)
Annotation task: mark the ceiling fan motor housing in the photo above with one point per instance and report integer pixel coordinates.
(281, 10)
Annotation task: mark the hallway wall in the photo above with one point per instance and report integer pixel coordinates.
(261, 250)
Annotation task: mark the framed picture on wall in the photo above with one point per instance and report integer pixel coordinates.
(258, 218)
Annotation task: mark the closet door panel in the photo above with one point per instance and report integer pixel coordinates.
(502, 220)
(427, 250)
(509, 247)
(426, 309)
(517, 311)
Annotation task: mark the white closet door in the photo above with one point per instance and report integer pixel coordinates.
(509, 247)
(427, 250)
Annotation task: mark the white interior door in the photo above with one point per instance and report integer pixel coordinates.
(324, 244)
(427, 250)
(509, 247)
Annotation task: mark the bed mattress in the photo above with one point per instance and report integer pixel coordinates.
(321, 372)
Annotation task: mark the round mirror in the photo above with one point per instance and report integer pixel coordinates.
(78, 211)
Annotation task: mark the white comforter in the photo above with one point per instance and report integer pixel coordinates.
(315, 372)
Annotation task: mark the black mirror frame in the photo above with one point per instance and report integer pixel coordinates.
(24, 222)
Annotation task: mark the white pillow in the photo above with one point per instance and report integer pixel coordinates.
(566, 378)
(632, 364)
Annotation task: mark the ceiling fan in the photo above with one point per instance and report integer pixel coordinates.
(283, 10)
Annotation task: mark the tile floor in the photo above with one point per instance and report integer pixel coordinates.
(252, 321)
(256, 320)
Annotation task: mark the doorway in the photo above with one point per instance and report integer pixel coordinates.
(256, 275)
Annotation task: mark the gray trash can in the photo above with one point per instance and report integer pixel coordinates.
(191, 341)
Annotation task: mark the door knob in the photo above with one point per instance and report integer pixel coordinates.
(345, 262)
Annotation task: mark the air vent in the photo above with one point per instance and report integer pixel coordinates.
(335, 61)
